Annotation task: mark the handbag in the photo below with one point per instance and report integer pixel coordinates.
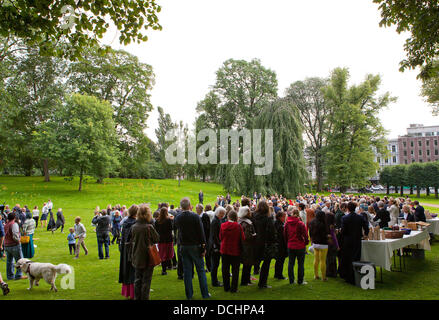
(24, 239)
(154, 257)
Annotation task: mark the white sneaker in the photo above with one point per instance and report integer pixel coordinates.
(303, 283)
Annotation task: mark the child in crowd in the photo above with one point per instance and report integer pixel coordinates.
(72, 240)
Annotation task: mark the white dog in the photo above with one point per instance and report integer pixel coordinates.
(47, 271)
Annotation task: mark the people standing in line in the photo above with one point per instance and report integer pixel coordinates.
(103, 224)
(248, 252)
(352, 227)
(193, 248)
(231, 237)
(215, 245)
(44, 213)
(143, 235)
(36, 215)
(265, 239)
(60, 221)
(12, 248)
(282, 252)
(80, 234)
(164, 226)
(331, 257)
(296, 236)
(28, 230)
(126, 269)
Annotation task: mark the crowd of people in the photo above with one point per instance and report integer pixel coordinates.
(248, 232)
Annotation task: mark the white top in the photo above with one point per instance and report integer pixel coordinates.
(36, 213)
(50, 205)
(45, 210)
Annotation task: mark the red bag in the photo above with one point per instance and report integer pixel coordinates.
(154, 257)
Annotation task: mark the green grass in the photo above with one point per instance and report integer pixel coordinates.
(98, 279)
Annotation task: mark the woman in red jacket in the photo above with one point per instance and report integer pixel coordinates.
(231, 237)
(296, 237)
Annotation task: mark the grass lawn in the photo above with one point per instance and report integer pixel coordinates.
(98, 279)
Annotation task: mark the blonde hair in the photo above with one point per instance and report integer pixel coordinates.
(144, 213)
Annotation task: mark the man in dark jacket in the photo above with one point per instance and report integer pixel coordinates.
(193, 247)
(419, 212)
(352, 226)
(201, 197)
(103, 224)
(215, 245)
(205, 220)
(382, 215)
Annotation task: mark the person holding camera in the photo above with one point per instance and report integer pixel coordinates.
(193, 247)
(103, 223)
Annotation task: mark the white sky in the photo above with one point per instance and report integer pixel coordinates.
(296, 39)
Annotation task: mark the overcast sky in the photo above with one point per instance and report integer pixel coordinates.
(296, 39)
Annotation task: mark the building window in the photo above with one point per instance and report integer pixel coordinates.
(428, 134)
(411, 144)
(405, 161)
(387, 160)
(428, 152)
(420, 152)
(404, 144)
(420, 160)
(427, 143)
(393, 148)
(378, 160)
(435, 142)
(420, 143)
(394, 159)
(436, 152)
(412, 152)
(405, 152)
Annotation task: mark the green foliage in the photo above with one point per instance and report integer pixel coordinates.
(85, 134)
(165, 125)
(430, 89)
(314, 113)
(420, 19)
(356, 129)
(46, 24)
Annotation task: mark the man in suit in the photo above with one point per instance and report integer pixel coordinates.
(215, 244)
(205, 220)
(201, 197)
(193, 248)
(419, 212)
(352, 226)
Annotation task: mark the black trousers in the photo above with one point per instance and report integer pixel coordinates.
(36, 221)
(142, 283)
(72, 247)
(174, 259)
(215, 261)
(227, 262)
(245, 276)
(331, 262)
(263, 274)
(279, 267)
(208, 261)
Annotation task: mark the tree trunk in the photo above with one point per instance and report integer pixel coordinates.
(46, 170)
(60, 172)
(204, 176)
(418, 191)
(388, 189)
(80, 179)
(396, 189)
(319, 174)
(179, 178)
(402, 191)
(343, 189)
(428, 191)
(411, 190)
(435, 192)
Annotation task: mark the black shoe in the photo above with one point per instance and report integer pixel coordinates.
(164, 273)
(280, 278)
(180, 278)
(5, 288)
(265, 287)
(218, 284)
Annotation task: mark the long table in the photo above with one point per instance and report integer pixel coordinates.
(380, 252)
(434, 225)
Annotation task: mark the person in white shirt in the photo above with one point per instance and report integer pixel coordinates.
(36, 215)
(49, 205)
(44, 213)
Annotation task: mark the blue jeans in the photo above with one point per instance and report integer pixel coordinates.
(103, 239)
(13, 253)
(300, 255)
(191, 256)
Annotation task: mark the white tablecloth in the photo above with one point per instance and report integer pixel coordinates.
(380, 252)
(434, 225)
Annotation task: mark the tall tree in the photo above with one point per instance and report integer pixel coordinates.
(416, 177)
(432, 176)
(121, 79)
(430, 89)
(420, 19)
(84, 130)
(165, 125)
(309, 99)
(398, 177)
(356, 129)
(66, 27)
